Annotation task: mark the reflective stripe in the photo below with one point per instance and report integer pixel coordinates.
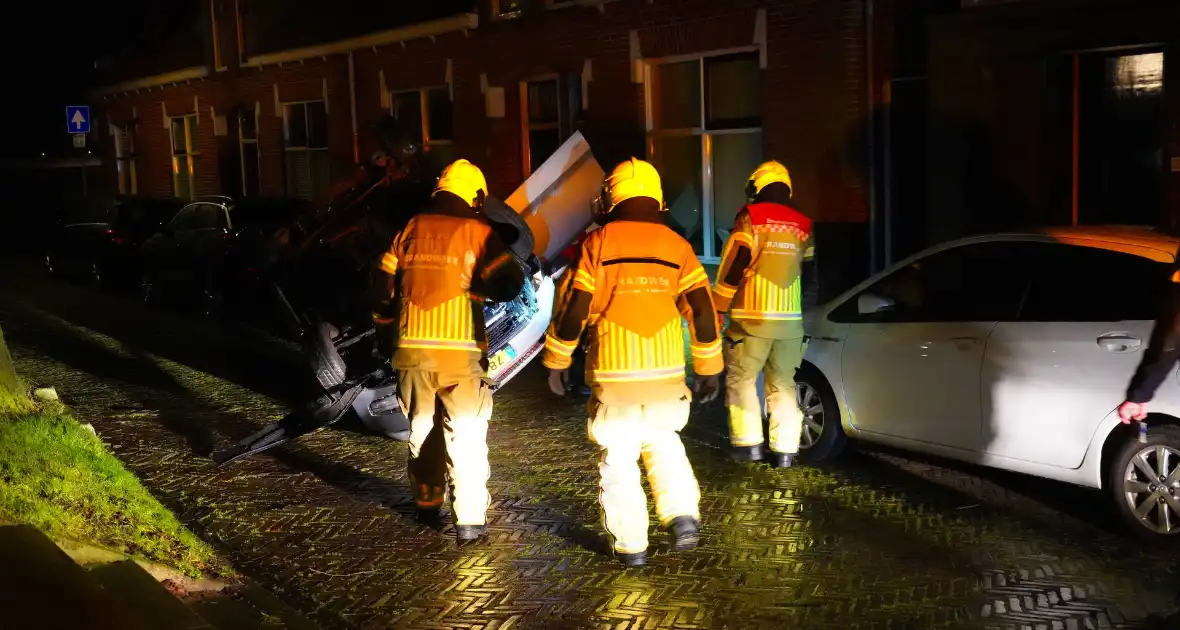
(377, 319)
(747, 314)
(724, 291)
(389, 263)
(448, 325)
(706, 351)
(559, 347)
(584, 281)
(437, 344)
(693, 278)
(619, 376)
(809, 253)
(496, 263)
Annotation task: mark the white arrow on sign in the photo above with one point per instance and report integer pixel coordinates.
(78, 119)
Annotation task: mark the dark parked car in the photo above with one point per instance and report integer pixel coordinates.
(210, 252)
(105, 250)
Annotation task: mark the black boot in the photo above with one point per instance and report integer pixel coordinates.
(686, 533)
(746, 453)
(782, 460)
(632, 559)
(429, 516)
(467, 533)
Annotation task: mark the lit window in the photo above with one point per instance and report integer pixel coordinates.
(1137, 73)
(125, 159)
(551, 109)
(507, 9)
(184, 153)
(248, 148)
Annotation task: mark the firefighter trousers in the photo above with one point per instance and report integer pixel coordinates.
(778, 359)
(449, 413)
(626, 434)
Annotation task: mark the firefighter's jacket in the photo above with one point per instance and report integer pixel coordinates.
(632, 282)
(1163, 350)
(433, 282)
(759, 281)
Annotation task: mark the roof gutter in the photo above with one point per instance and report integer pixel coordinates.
(461, 22)
(176, 76)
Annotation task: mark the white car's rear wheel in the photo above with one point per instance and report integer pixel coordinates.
(1144, 479)
(822, 439)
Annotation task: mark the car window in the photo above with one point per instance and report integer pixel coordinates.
(1073, 283)
(208, 216)
(975, 282)
(186, 219)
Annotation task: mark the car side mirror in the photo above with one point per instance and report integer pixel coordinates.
(869, 303)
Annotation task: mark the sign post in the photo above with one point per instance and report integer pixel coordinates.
(79, 140)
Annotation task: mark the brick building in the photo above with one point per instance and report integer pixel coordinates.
(903, 121)
(278, 101)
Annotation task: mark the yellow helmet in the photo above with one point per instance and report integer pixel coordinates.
(631, 179)
(463, 179)
(768, 173)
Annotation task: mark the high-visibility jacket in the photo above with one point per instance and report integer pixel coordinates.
(758, 282)
(632, 282)
(438, 272)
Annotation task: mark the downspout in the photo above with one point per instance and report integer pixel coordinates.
(356, 140)
(871, 144)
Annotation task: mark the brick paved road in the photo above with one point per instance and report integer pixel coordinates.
(877, 541)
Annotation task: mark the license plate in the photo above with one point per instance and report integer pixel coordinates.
(501, 359)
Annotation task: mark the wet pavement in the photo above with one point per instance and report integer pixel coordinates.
(878, 540)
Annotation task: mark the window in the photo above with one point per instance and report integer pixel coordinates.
(305, 131)
(125, 160)
(1081, 284)
(248, 146)
(184, 153)
(507, 9)
(550, 111)
(428, 115)
(971, 283)
(705, 137)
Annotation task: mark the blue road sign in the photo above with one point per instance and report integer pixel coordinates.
(78, 118)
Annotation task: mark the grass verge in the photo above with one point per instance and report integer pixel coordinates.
(57, 476)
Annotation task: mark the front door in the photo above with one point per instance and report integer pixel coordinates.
(911, 370)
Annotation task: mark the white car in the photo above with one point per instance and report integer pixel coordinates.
(1011, 351)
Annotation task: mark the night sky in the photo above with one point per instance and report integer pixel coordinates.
(49, 50)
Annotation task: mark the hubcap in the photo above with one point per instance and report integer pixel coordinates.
(1151, 485)
(813, 414)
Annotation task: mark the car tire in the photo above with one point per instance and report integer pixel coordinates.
(1148, 493)
(326, 363)
(814, 391)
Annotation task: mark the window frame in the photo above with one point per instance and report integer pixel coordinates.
(424, 112)
(125, 158)
(190, 154)
(306, 148)
(701, 130)
(243, 141)
(566, 119)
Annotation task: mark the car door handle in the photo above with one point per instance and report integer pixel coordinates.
(1119, 343)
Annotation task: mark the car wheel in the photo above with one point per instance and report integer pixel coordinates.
(326, 362)
(1144, 481)
(823, 436)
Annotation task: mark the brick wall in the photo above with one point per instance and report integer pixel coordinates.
(813, 90)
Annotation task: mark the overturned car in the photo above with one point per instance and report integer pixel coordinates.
(320, 271)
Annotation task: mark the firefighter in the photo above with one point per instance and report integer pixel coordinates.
(438, 272)
(758, 285)
(631, 283)
(1163, 351)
